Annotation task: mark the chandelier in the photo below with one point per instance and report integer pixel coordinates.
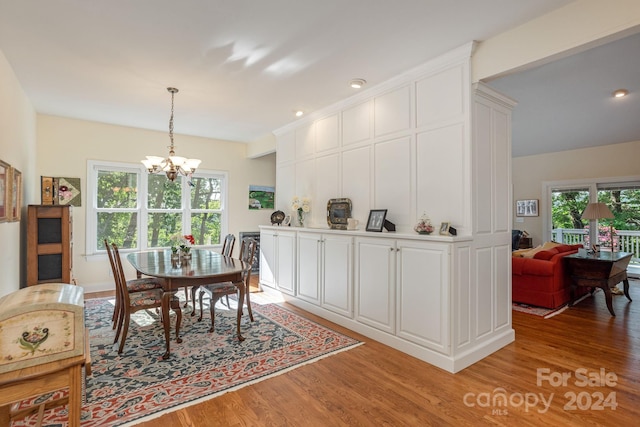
(172, 165)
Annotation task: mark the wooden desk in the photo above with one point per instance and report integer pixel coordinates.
(205, 267)
(600, 270)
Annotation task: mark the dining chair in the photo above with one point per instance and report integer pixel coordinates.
(136, 301)
(133, 285)
(227, 250)
(218, 290)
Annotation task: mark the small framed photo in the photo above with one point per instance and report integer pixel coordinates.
(376, 219)
(444, 228)
(527, 207)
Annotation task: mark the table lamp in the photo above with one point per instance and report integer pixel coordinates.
(595, 211)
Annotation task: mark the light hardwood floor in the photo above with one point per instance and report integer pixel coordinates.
(374, 385)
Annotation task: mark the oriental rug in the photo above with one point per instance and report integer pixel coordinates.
(139, 385)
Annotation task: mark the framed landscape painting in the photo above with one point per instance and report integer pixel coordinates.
(15, 205)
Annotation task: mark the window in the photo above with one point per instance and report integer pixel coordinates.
(139, 211)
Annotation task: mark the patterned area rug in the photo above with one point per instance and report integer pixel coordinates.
(139, 384)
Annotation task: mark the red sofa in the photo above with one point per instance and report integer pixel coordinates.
(543, 280)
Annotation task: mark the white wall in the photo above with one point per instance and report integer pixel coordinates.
(529, 172)
(17, 147)
(64, 146)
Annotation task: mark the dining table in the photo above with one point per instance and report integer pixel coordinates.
(202, 267)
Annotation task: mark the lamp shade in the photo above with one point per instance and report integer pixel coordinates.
(597, 211)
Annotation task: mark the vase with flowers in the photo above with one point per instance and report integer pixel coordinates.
(424, 225)
(301, 206)
(181, 246)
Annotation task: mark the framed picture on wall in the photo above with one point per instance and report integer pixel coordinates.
(527, 207)
(15, 205)
(5, 170)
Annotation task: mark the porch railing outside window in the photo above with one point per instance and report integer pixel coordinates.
(629, 240)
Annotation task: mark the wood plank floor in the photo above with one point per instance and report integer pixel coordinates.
(374, 385)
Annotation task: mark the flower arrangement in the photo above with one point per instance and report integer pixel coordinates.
(182, 242)
(301, 206)
(424, 225)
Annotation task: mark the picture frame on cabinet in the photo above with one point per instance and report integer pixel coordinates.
(444, 228)
(15, 205)
(5, 172)
(376, 220)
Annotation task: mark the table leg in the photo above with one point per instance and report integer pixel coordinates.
(5, 415)
(166, 300)
(607, 296)
(626, 288)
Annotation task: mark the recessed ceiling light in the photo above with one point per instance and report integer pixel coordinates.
(620, 93)
(357, 83)
(299, 113)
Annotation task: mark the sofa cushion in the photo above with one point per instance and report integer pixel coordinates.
(564, 248)
(546, 255)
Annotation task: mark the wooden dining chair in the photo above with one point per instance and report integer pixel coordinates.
(227, 250)
(218, 290)
(133, 285)
(136, 301)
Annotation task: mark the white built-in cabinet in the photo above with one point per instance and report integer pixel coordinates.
(428, 141)
(325, 271)
(278, 260)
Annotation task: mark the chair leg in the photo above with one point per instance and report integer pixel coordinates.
(179, 321)
(125, 329)
(246, 291)
(119, 321)
(201, 295)
(186, 296)
(212, 311)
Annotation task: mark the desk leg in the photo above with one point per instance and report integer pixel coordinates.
(5, 415)
(239, 315)
(75, 395)
(166, 300)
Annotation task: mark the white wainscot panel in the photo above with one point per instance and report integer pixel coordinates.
(483, 170)
(503, 286)
(356, 181)
(286, 181)
(484, 288)
(392, 112)
(327, 136)
(356, 123)
(423, 294)
(464, 311)
(305, 141)
(305, 181)
(440, 97)
(392, 181)
(286, 147)
(502, 150)
(327, 187)
(441, 184)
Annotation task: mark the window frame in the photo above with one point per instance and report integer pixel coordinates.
(94, 166)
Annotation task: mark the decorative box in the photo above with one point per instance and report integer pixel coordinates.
(41, 324)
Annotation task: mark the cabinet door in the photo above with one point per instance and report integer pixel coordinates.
(423, 293)
(267, 258)
(375, 283)
(286, 262)
(309, 261)
(336, 277)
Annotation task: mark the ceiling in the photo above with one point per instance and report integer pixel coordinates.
(244, 66)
